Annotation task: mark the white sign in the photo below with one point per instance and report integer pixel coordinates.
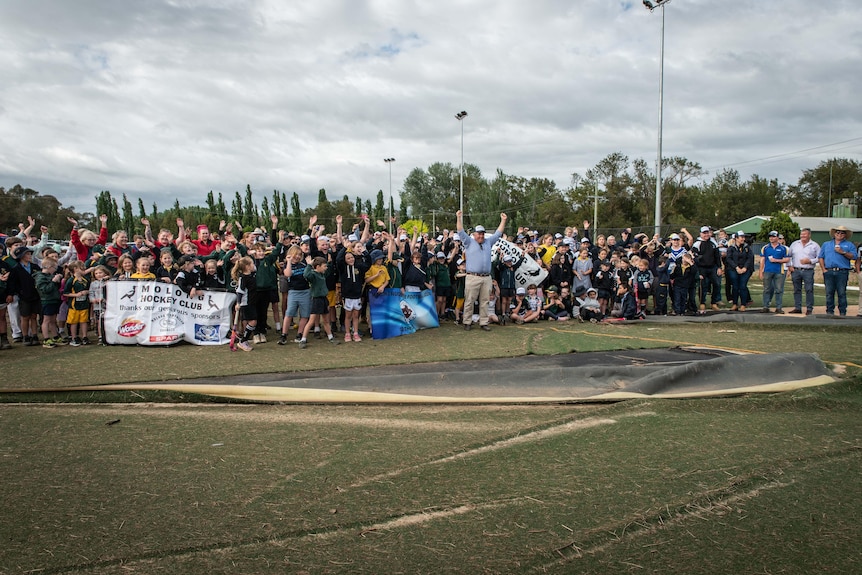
(158, 313)
(527, 270)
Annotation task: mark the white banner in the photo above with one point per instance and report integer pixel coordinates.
(527, 271)
(158, 313)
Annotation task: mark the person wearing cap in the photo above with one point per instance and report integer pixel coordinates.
(438, 273)
(773, 256)
(835, 257)
(803, 259)
(707, 257)
(477, 252)
(740, 266)
(326, 251)
(29, 302)
(589, 307)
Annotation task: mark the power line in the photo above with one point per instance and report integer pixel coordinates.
(779, 157)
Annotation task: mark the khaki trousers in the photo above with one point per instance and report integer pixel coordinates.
(476, 288)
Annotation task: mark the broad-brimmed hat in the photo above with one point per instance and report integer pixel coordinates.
(847, 233)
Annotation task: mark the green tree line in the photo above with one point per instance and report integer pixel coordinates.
(623, 189)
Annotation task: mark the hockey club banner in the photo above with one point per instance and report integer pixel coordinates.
(394, 313)
(527, 271)
(157, 313)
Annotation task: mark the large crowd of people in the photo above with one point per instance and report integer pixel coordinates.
(308, 283)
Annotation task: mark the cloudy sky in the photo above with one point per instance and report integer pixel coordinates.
(165, 99)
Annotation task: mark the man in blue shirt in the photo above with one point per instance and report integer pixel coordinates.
(835, 258)
(477, 254)
(773, 256)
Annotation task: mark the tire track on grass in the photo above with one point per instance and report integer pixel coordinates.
(506, 443)
(702, 506)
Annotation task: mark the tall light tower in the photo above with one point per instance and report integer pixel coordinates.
(658, 163)
(461, 115)
(389, 163)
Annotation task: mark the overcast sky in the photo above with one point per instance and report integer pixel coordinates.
(165, 99)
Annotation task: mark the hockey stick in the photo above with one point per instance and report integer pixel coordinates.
(235, 329)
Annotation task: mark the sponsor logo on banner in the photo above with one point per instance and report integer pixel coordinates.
(207, 332)
(131, 327)
(164, 338)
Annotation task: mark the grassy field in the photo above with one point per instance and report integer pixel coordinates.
(736, 485)
(153, 482)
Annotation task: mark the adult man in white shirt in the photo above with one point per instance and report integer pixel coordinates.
(803, 259)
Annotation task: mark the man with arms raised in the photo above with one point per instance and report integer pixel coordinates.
(477, 251)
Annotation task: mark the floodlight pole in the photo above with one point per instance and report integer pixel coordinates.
(658, 161)
(389, 163)
(461, 115)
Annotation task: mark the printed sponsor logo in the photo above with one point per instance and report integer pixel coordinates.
(164, 338)
(207, 332)
(169, 322)
(131, 327)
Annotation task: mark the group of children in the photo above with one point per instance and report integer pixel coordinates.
(307, 270)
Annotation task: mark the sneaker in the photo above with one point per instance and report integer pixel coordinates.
(49, 343)
(347, 338)
(75, 342)
(808, 312)
(262, 338)
(779, 311)
(303, 344)
(244, 345)
(333, 341)
(484, 328)
(764, 310)
(468, 326)
(282, 339)
(317, 334)
(85, 341)
(255, 338)
(297, 339)
(356, 337)
(795, 310)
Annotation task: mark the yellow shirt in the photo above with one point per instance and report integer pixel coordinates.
(381, 279)
(146, 276)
